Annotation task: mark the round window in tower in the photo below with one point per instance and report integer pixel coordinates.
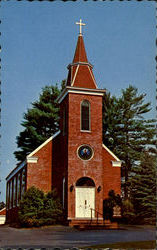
(85, 152)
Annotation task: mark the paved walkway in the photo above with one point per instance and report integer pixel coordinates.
(66, 237)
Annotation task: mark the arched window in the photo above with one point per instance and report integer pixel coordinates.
(85, 115)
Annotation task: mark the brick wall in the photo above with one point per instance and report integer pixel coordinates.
(112, 175)
(40, 174)
(3, 211)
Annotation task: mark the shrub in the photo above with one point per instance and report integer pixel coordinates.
(128, 212)
(37, 209)
(109, 203)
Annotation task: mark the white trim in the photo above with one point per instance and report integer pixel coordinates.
(43, 144)
(86, 131)
(111, 153)
(16, 170)
(61, 99)
(75, 75)
(79, 63)
(92, 77)
(84, 91)
(2, 209)
(32, 159)
(116, 163)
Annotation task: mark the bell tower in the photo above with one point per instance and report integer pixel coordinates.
(81, 128)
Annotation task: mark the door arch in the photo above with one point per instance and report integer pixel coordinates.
(85, 198)
(85, 181)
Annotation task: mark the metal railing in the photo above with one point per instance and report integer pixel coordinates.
(97, 214)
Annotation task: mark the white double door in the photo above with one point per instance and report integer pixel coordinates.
(84, 202)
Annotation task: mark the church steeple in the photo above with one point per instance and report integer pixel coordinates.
(80, 52)
(80, 70)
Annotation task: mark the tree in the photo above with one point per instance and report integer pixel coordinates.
(126, 132)
(128, 212)
(143, 188)
(40, 122)
(111, 117)
(2, 205)
(37, 208)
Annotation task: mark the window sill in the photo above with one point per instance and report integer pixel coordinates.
(86, 131)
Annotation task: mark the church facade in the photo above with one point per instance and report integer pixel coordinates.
(74, 161)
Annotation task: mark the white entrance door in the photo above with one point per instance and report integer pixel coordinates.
(84, 201)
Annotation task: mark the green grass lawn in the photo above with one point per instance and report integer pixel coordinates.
(139, 245)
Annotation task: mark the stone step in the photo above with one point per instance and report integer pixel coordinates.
(94, 224)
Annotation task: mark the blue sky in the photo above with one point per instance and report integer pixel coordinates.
(38, 42)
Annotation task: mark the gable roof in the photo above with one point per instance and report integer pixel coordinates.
(3, 211)
(110, 152)
(43, 144)
(22, 164)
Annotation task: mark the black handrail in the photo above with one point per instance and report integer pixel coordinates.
(97, 212)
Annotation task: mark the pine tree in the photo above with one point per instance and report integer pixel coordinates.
(40, 122)
(2, 205)
(111, 119)
(126, 131)
(143, 188)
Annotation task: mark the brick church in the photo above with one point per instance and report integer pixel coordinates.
(74, 160)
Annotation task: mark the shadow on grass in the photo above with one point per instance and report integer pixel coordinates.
(140, 245)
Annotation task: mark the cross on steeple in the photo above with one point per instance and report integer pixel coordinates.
(81, 24)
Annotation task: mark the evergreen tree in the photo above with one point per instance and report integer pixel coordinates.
(143, 188)
(126, 132)
(2, 205)
(40, 122)
(111, 119)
